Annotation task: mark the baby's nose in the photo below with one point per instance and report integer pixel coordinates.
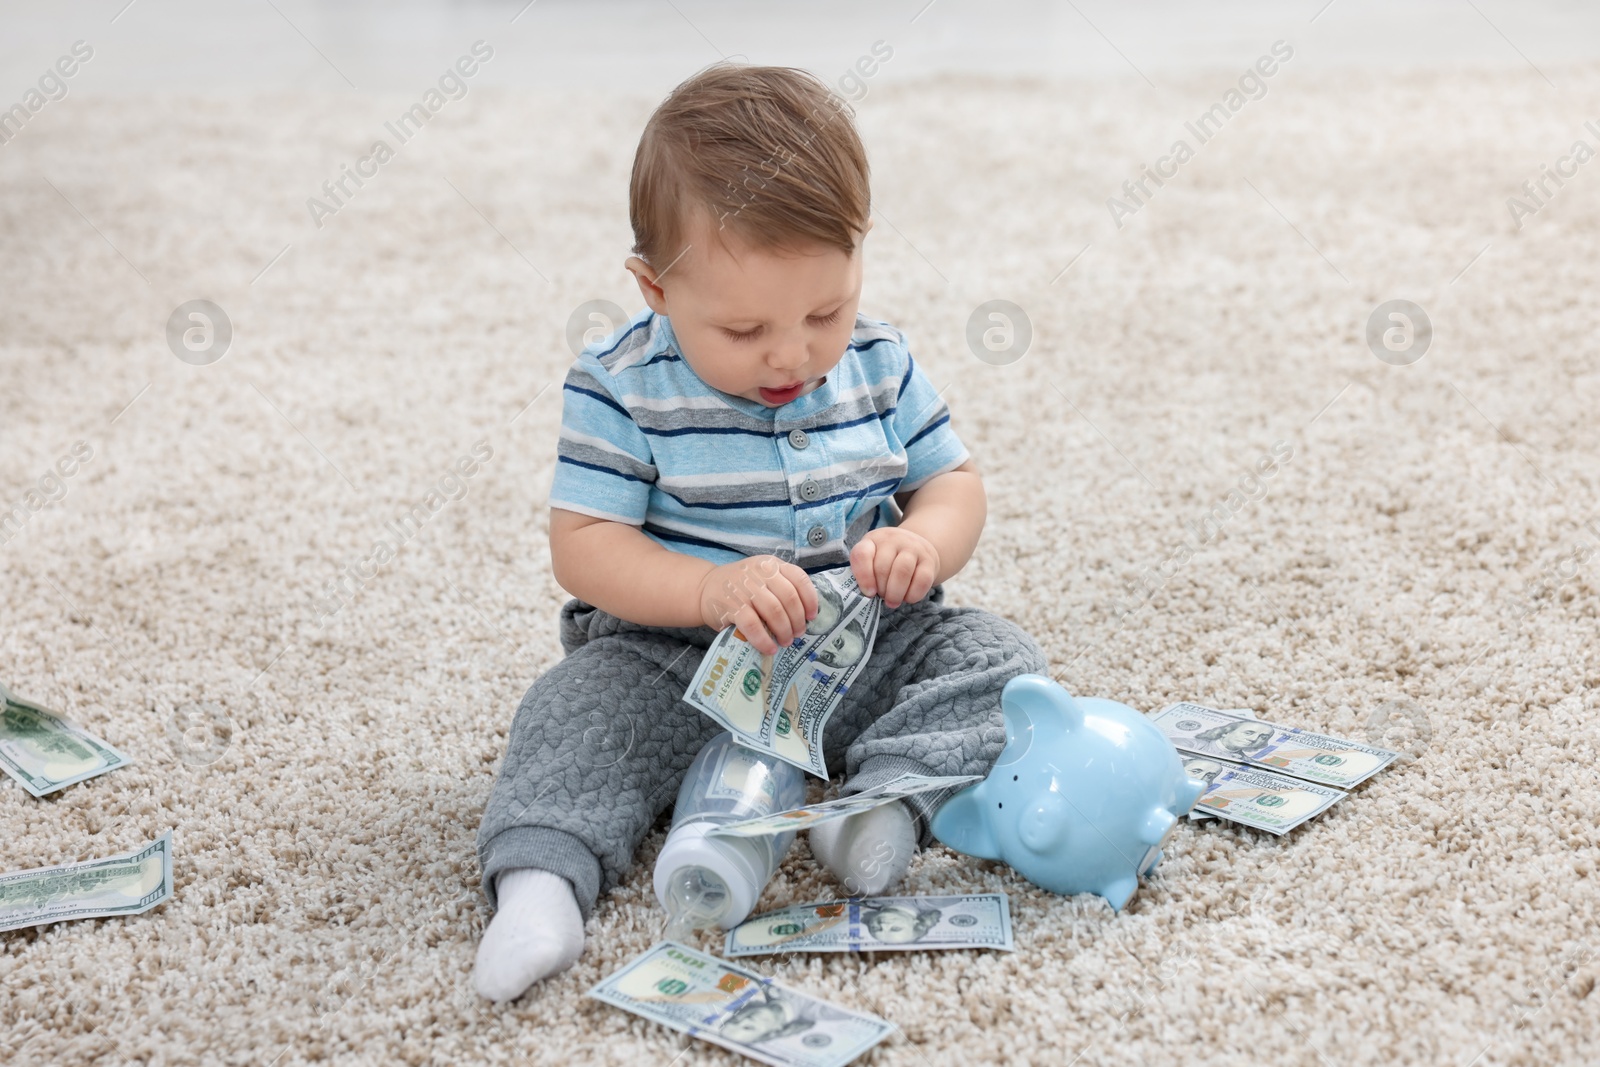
(784, 357)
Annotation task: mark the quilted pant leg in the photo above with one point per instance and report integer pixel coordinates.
(596, 752)
(929, 701)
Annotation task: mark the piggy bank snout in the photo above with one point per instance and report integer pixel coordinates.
(1043, 824)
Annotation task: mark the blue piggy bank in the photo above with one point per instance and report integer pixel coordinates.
(1083, 796)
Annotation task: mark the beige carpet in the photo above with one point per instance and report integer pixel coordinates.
(1428, 556)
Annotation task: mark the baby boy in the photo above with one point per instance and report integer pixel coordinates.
(746, 430)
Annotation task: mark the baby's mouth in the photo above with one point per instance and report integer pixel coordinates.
(782, 396)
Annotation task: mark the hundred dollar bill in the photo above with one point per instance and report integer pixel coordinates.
(878, 924)
(781, 704)
(1250, 796)
(810, 815)
(724, 1004)
(1207, 770)
(45, 752)
(128, 884)
(1203, 731)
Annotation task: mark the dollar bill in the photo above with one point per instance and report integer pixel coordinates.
(724, 1004)
(128, 884)
(745, 778)
(878, 924)
(1202, 731)
(44, 752)
(810, 815)
(1209, 769)
(781, 704)
(1265, 800)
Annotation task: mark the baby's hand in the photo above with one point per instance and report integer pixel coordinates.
(770, 601)
(896, 564)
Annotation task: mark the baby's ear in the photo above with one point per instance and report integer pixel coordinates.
(654, 295)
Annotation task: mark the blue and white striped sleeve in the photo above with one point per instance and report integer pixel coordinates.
(921, 422)
(604, 466)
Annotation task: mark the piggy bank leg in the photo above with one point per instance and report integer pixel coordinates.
(1120, 891)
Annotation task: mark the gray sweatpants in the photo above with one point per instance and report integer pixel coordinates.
(603, 739)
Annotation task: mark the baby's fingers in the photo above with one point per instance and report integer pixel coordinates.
(805, 589)
(898, 581)
(753, 630)
(862, 562)
(776, 616)
(921, 582)
(789, 617)
(883, 571)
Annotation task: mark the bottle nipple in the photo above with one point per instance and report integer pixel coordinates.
(696, 900)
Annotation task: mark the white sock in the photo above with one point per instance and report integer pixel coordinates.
(537, 932)
(868, 852)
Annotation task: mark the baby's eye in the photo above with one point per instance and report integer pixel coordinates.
(750, 335)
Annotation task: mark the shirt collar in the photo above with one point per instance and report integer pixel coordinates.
(819, 399)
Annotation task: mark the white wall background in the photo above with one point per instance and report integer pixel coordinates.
(643, 44)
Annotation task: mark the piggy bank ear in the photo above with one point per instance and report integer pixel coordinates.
(963, 824)
(1043, 825)
(1034, 707)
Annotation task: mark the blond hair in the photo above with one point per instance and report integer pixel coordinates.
(768, 152)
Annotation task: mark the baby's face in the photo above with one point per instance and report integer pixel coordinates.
(757, 323)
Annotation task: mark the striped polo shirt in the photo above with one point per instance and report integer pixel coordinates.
(644, 441)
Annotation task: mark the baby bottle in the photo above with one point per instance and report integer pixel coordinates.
(706, 881)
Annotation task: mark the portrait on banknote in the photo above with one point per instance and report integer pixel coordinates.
(1235, 741)
(1203, 770)
(844, 648)
(899, 924)
(767, 1017)
(830, 605)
